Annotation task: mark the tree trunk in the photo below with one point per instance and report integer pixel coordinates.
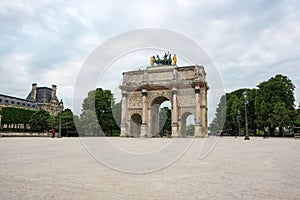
(271, 130)
(281, 131)
(254, 130)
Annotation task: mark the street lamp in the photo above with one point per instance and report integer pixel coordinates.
(61, 108)
(245, 94)
(238, 118)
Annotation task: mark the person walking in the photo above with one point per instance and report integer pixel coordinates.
(53, 133)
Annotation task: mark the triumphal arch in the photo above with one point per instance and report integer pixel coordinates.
(143, 91)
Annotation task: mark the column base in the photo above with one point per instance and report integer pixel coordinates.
(144, 130)
(175, 130)
(124, 130)
(198, 131)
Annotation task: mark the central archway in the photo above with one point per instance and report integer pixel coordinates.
(154, 113)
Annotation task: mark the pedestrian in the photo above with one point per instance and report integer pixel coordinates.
(53, 133)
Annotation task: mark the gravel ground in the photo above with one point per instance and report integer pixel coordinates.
(46, 168)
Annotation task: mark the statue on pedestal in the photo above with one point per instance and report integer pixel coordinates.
(174, 59)
(152, 59)
(166, 60)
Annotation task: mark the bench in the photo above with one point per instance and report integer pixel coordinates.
(297, 135)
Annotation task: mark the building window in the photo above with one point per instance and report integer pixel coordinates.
(23, 104)
(6, 101)
(12, 102)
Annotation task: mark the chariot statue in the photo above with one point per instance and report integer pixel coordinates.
(166, 60)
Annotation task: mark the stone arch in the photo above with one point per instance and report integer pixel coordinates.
(153, 97)
(154, 114)
(135, 125)
(184, 117)
(185, 88)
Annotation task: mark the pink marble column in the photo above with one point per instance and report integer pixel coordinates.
(124, 107)
(197, 96)
(144, 111)
(174, 111)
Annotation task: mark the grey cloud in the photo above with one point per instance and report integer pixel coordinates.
(233, 33)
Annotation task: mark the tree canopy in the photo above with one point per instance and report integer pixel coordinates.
(270, 105)
(274, 103)
(97, 109)
(39, 120)
(11, 115)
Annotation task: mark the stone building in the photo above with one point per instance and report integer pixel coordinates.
(45, 98)
(143, 92)
(39, 98)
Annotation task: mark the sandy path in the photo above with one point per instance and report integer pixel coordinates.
(45, 168)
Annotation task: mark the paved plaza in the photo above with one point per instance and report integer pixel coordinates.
(46, 168)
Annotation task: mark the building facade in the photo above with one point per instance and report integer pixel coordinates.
(39, 98)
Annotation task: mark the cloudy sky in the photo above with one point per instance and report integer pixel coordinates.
(48, 41)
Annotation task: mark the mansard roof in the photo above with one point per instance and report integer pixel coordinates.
(43, 95)
(15, 101)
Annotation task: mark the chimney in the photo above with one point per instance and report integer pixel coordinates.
(53, 95)
(33, 91)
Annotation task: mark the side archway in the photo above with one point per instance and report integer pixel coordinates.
(184, 119)
(135, 125)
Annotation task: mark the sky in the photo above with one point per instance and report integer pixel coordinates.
(47, 42)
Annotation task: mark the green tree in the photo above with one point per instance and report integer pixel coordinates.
(102, 102)
(88, 124)
(239, 104)
(52, 121)
(190, 130)
(218, 122)
(117, 111)
(226, 113)
(40, 120)
(67, 123)
(165, 121)
(274, 98)
(12, 115)
(297, 117)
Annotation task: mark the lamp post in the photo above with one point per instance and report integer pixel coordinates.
(61, 108)
(238, 118)
(245, 94)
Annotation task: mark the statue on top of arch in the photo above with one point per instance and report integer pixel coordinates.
(165, 60)
(199, 73)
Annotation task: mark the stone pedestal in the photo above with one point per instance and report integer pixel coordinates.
(124, 130)
(175, 130)
(144, 130)
(198, 130)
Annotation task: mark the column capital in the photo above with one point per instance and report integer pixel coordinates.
(174, 91)
(124, 93)
(144, 92)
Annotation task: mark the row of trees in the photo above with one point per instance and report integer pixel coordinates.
(19, 119)
(100, 116)
(16, 116)
(270, 106)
